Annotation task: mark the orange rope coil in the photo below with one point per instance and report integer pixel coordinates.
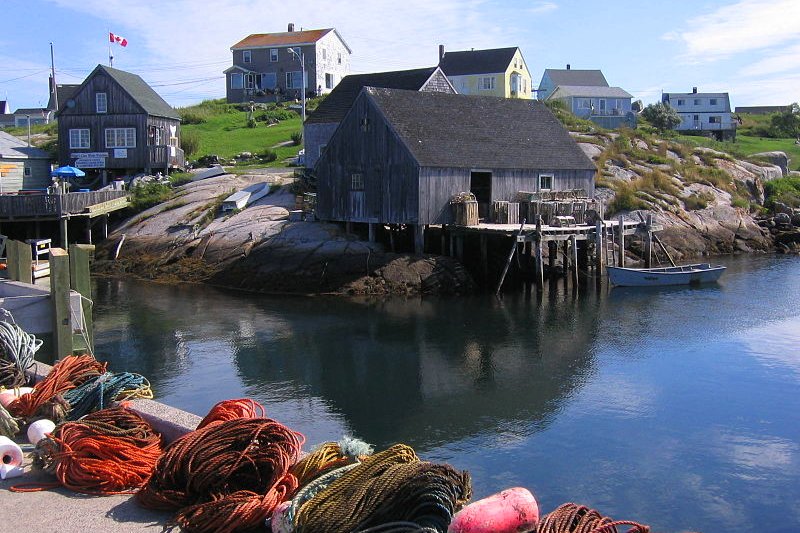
(233, 409)
(227, 476)
(574, 518)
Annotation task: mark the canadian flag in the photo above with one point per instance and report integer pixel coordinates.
(119, 39)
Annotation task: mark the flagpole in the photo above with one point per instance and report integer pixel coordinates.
(110, 55)
(53, 71)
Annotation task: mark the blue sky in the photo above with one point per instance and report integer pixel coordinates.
(749, 48)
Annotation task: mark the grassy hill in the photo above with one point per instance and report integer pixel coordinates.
(222, 129)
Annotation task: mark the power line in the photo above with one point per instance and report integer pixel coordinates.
(26, 76)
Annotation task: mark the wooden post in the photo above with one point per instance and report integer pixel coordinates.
(419, 238)
(573, 243)
(62, 226)
(104, 226)
(621, 242)
(460, 247)
(348, 227)
(511, 253)
(391, 239)
(59, 294)
(20, 261)
(452, 244)
(371, 226)
(484, 258)
(539, 261)
(80, 281)
(443, 241)
(648, 242)
(598, 243)
(552, 254)
(88, 230)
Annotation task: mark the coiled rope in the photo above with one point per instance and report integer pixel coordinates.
(329, 456)
(574, 518)
(390, 486)
(233, 409)
(113, 451)
(99, 392)
(227, 476)
(8, 424)
(67, 374)
(17, 350)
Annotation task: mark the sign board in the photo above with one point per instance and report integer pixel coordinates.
(120, 153)
(79, 155)
(90, 162)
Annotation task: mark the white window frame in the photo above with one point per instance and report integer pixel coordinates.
(273, 55)
(120, 137)
(715, 119)
(249, 81)
(26, 172)
(330, 80)
(247, 56)
(237, 80)
(680, 102)
(290, 79)
(487, 83)
(98, 99)
(548, 177)
(356, 181)
(79, 138)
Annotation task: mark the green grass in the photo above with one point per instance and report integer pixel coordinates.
(746, 146)
(224, 132)
(785, 190)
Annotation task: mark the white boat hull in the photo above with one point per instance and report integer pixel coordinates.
(653, 277)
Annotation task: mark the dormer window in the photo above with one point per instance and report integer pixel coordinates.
(101, 103)
(247, 56)
(273, 54)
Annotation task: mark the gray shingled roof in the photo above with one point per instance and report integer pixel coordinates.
(142, 93)
(563, 91)
(338, 102)
(451, 130)
(576, 77)
(477, 61)
(65, 92)
(15, 148)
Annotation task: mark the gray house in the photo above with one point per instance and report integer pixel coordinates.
(399, 157)
(266, 66)
(608, 107)
(553, 77)
(321, 124)
(707, 114)
(22, 166)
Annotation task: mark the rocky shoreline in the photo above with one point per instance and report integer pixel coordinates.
(260, 249)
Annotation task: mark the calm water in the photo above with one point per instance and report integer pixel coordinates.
(677, 407)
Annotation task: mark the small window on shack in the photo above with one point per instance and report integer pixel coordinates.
(356, 181)
(545, 182)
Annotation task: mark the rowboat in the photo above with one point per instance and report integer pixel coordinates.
(677, 275)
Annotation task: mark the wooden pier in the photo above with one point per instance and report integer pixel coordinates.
(607, 237)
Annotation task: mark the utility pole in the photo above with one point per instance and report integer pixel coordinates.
(29, 130)
(298, 53)
(55, 86)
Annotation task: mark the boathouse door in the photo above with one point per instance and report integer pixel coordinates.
(480, 184)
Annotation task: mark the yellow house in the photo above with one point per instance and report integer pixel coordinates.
(499, 72)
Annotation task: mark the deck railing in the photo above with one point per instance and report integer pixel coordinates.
(56, 205)
(162, 156)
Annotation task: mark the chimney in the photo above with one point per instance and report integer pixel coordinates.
(694, 90)
(441, 51)
(291, 26)
(567, 66)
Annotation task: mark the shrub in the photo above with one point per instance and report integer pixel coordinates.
(193, 115)
(190, 142)
(740, 202)
(625, 199)
(146, 195)
(268, 155)
(297, 138)
(661, 115)
(784, 190)
(697, 201)
(179, 178)
(251, 122)
(275, 115)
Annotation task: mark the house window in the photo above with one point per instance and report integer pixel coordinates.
(120, 137)
(339, 60)
(273, 54)
(696, 101)
(602, 105)
(715, 120)
(328, 81)
(27, 172)
(356, 181)
(713, 101)
(487, 83)
(585, 103)
(545, 182)
(681, 102)
(237, 81)
(269, 80)
(324, 54)
(294, 80)
(249, 81)
(79, 138)
(101, 102)
(247, 56)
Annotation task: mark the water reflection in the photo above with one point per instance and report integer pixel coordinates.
(678, 406)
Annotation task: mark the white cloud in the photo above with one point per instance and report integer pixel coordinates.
(539, 8)
(741, 27)
(786, 60)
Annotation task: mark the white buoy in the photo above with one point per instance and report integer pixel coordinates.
(38, 430)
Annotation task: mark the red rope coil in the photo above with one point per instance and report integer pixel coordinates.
(574, 518)
(233, 409)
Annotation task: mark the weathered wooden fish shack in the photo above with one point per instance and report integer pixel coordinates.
(399, 157)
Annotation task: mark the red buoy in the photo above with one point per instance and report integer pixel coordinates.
(510, 511)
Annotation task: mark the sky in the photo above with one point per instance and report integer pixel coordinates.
(748, 48)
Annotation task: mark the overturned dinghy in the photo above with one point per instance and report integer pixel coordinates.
(245, 197)
(653, 277)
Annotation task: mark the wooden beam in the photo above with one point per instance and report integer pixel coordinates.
(511, 253)
(419, 238)
(20, 261)
(59, 294)
(574, 247)
(539, 260)
(621, 242)
(598, 247)
(80, 281)
(371, 226)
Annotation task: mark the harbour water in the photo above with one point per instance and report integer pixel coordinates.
(677, 407)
